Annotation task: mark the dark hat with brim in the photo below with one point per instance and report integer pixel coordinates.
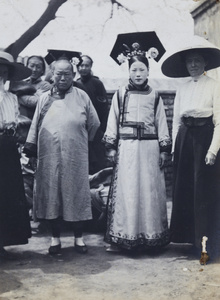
(175, 65)
(16, 70)
(146, 40)
(54, 55)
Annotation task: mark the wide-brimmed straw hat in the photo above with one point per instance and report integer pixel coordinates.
(175, 65)
(16, 70)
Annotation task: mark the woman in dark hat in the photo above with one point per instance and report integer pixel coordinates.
(14, 218)
(196, 143)
(137, 142)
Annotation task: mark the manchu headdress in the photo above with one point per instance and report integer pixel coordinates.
(145, 44)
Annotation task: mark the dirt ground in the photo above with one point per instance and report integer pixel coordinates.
(174, 273)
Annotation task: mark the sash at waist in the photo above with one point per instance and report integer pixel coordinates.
(193, 122)
(131, 137)
(135, 131)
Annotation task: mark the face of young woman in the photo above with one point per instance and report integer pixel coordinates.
(195, 64)
(138, 72)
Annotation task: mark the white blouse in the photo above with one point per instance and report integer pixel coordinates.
(8, 110)
(199, 98)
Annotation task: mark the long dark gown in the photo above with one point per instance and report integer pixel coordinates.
(14, 218)
(196, 189)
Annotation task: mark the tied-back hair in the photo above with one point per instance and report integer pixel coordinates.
(140, 58)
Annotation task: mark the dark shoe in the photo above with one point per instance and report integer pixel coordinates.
(5, 255)
(81, 249)
(53, 250)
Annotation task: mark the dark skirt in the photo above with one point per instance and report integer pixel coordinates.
(196, 190)
(14, 218)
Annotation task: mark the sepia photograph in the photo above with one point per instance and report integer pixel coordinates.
(109, 149)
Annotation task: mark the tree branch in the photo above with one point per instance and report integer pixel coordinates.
(26, 38)
(119, 5)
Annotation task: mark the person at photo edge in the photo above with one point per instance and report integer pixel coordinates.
(196, 143)
(64, 121)
(137, 142)
(14, 218)
(28, 92)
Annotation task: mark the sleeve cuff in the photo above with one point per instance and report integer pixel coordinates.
(30, 150)
(165, 146)
(110, 143)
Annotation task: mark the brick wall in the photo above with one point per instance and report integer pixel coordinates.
(168, 100)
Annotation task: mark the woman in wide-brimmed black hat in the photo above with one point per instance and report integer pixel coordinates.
(14, 217)
(196, 143)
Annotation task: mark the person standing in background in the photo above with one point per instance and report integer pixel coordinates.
(30, 90)
(97, 93)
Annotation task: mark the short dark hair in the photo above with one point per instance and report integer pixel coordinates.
(41, 59)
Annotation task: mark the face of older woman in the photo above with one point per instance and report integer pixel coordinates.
(195, 64)
(36, 66)
(63, 75)
(138, 72)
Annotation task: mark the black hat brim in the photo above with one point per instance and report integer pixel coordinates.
(175, 66)
(16, 70)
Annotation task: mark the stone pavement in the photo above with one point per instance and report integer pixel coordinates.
(173, 273)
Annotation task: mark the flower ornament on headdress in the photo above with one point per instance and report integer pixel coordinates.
(136, 51)
(121, 58)
(75, 61)
(152, 53)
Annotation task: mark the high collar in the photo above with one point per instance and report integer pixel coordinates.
(86, 77)
(54, 90)
(134, 87)
(198, 78)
